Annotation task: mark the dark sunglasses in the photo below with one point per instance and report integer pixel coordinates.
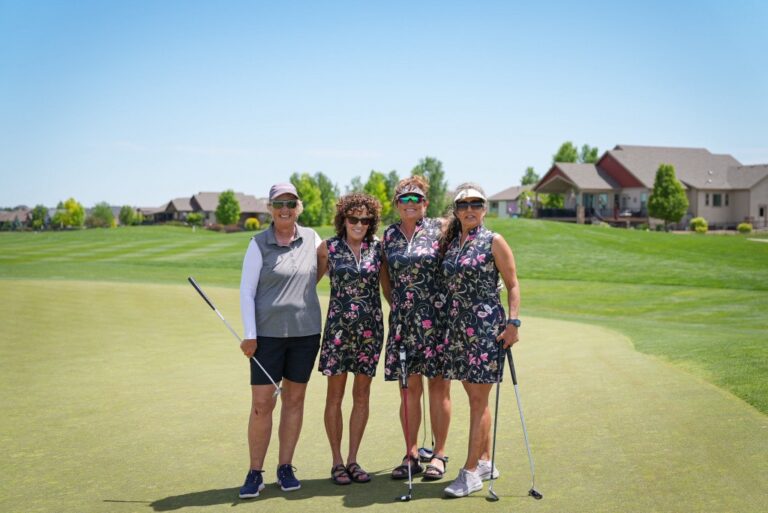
(284, 203)
(354, 220)
(412, 198)
(464, 205)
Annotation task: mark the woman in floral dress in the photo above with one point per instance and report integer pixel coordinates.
(354, 329)
(409, 282)
(476, 328)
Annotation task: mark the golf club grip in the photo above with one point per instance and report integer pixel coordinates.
(511, 365)
(200, 291)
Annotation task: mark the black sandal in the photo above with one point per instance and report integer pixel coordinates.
(433, 473)
(401, 471)
(357, 473)
(340, 476)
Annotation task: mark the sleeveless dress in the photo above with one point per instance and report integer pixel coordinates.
(474, 314)
(416, 299)
(354, 327)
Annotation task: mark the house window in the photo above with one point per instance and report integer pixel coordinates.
(706, 199)
(717, 200)
(726, 199)
(762, 212)
(643, 200)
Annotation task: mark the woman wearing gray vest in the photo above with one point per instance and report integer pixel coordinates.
(281, 316)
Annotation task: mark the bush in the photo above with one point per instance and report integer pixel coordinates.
(252, 224)
(195, 219)
(744, 228)
(699, 225)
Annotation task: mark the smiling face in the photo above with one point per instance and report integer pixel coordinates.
(411, 207)
(470, 212)
(283, 215)
(353, 223)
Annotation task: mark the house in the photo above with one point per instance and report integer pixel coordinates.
(14, 219)
(250, 206)
(507, 203)
(718, 187)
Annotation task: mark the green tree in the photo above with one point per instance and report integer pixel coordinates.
(195, 219)
(432, 169)
(69, 214)
(101, 216)
(329, 192)
(356, 185)
(668, 201)
(309, 192)
(530, 177)
(566, 153)
(588, 155)
(127, 215)
(376, 186)
(39, 213)
(553, 201)
(228, 209)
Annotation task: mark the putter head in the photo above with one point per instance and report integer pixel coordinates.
(404, 498)
(425, 454)
(536, 495)
(492, 497)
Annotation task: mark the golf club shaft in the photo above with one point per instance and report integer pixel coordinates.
(231, 330)
(522, 417)
(499, 372)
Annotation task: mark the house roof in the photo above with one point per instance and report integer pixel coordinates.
(11, 215)
(179, 205)
(746, 177)
(695, 167)
(208, 202)
(511, 193)
(562, 176)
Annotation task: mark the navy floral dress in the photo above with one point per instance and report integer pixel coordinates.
(475, 316)
(354, 327)
(416, 299)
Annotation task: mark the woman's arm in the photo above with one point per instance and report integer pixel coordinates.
(249, 282)
(505, 263)
(322, 260)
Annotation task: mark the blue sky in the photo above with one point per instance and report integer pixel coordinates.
(138, 102)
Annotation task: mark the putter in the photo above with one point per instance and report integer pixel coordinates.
(499, 371)
(404, 392)
(192, 281)
(532, 492)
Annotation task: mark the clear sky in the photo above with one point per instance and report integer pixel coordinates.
(138, 102)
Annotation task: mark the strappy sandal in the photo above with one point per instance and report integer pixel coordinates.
(357, 473)
(401, 471)
(433, 473)
(340, 476)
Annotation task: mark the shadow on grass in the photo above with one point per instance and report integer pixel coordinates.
(381, 490)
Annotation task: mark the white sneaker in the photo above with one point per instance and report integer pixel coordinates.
(484, 469)
(466, 483)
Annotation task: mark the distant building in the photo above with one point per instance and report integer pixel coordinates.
(507, 203)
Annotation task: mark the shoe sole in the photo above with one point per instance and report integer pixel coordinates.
(252, 495)
(462, 493)
(292, 489)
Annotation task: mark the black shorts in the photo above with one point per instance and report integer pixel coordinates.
(292, 358)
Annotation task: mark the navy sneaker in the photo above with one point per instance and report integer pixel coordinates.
(254, 483)
(286, 479)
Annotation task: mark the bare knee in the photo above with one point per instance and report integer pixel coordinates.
(260, 407)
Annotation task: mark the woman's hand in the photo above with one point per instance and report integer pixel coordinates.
(509, 336)
(248, 347)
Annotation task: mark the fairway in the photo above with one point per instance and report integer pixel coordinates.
(134, 398)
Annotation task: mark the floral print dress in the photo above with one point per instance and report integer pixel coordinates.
(475, 316)
(354, 328)
(416, 299)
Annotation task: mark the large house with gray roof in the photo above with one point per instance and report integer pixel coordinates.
(205, 203)
(719, 188)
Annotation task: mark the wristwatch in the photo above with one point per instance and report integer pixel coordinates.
(514, 322)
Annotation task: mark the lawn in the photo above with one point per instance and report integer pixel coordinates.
(122, 392)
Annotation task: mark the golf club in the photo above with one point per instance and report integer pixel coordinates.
(532, 492)
(499, 371)
(404, 392)
(192, 281)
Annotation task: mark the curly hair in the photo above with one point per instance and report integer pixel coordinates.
(350, 203)
(412, 182)
(451, 224)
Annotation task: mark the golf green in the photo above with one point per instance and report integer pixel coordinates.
(134, 398)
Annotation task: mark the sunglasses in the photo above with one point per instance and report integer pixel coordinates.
(464, 205)
(284, 203)
(411, 198)
(354, 220)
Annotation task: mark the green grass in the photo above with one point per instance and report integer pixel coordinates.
(697, 301)
(132, 397)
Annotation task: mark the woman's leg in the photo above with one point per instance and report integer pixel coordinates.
(334, 426)
(414, 392)
(479, 422)
(260, 423)
(291, 418)
(440, 415)
(358, 419)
